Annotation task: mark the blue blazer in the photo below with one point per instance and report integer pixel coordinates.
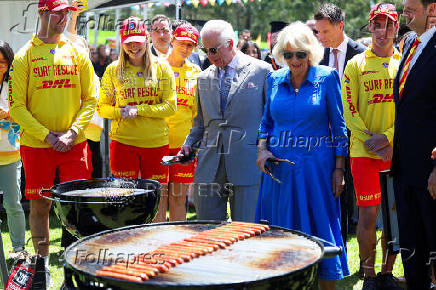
(415, 117)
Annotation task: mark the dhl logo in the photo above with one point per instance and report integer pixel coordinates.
(182, 102)
(180, 174)
(369, 72)
(380, 98)
(158, 176)
(57, 84)
(146, 102)
(39, 58)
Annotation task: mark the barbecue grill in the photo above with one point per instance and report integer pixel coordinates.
(86, 214)
(276, 259)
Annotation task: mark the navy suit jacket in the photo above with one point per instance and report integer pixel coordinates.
(353, 48)
(415, 118)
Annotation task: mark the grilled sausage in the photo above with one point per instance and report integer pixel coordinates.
(118, 275)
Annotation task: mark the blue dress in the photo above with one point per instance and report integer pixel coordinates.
(309, 129)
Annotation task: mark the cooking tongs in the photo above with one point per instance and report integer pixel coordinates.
(269, 163)
(171, 160)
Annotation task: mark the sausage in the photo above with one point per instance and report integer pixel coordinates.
(247, 233)
(187, 248)
(227, 242)
(157, 268)
(264, 227)
(201, 245)
(239, 236)
(256, 231)
(182, 250)
(205, 241)
(155, 262)
(130, 271)
(173, 254)
(118, 275)
(197, 247)
(230, 236)
(173, 259)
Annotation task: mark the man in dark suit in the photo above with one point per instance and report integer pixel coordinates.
(330, 26)
(161, 35)
(339, 49)
(276, 27)
(413, 169)
(161, 30)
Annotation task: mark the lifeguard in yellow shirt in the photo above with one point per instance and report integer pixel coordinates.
(185, 39)
(52, 98)
(367, 93)
(137, 92)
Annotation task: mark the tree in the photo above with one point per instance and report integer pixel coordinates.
(257, 15)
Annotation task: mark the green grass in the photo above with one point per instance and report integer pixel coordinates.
(101, 37)
(351, 282)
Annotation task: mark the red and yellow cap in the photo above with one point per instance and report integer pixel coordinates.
(54, 5)
(186, 32)
(384, 9)
(133, 29)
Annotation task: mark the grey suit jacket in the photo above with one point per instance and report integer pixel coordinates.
(232, 136)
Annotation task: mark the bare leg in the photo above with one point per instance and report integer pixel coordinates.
(327, 285)
(177, 201)
(161, 215)
(39, 225)
(366, 236)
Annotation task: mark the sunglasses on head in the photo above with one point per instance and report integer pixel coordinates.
(212, 50)
(298, 54)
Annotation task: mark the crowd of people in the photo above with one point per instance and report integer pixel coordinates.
(293, 139)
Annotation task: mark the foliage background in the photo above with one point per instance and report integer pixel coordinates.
(257, 15)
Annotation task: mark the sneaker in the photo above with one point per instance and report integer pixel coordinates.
(369, 283)
(18, 253)
(48, 280)
(387, 282)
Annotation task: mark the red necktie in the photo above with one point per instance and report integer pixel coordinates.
(406, 66)
(335, 55)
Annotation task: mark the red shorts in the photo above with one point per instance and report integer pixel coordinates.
(40, 165)
(127, 161)
(366, 179)
(181, 173)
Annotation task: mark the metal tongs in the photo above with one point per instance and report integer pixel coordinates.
(269, 163)
(171, 160)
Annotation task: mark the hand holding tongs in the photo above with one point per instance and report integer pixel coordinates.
(170, 160)
(268, 168)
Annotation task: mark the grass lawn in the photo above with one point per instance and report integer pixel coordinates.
(351, 282)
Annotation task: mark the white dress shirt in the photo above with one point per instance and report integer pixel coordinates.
(232, 68)
(342, 52)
